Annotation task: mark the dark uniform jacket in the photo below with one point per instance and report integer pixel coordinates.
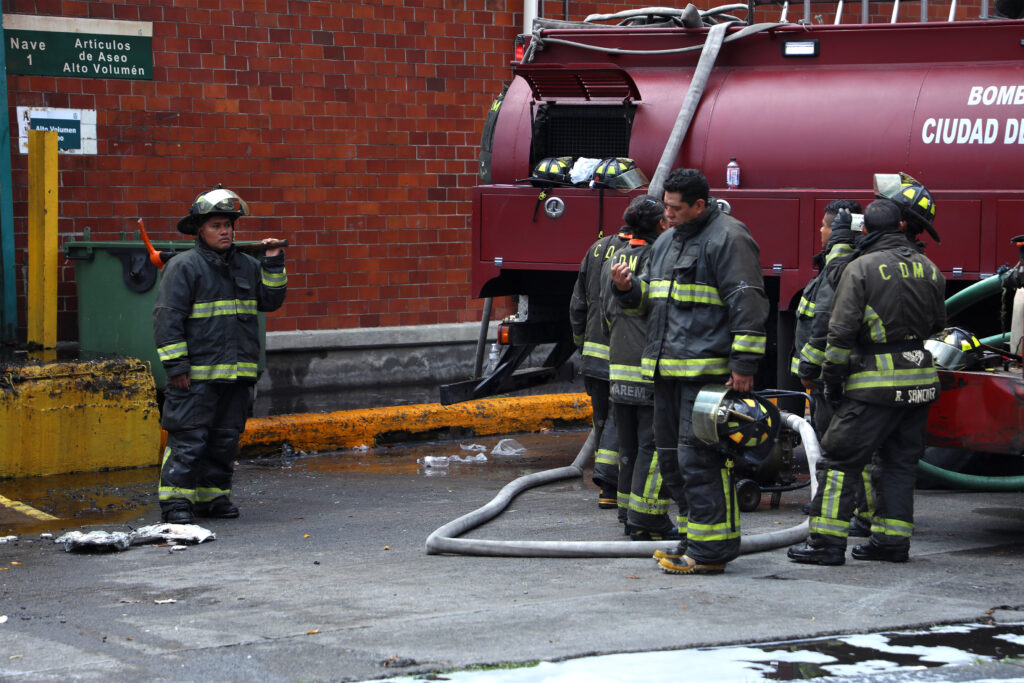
(204, 319)
(585, 306)
(815, 308)
(627, 330)
(889, 299)
(705, 300)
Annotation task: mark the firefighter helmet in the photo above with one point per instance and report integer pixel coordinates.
(618, 173)
(218, 201)
(552, 171)
(734, 422)
(915, 201)
(956, 349)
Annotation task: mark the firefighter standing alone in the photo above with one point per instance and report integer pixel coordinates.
(207, 337)
(888, 301)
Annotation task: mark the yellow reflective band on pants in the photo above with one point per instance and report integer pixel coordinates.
(892, 527)
(606, 456)
(205, 495)
(828, 523)
(719, 531)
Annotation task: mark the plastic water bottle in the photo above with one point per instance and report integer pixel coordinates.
(732, 174)
(492, 360)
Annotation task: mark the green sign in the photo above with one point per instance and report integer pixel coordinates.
(69, 131)
(87, 48)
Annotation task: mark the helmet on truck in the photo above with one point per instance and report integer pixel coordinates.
(552, 171)
(956, 349)
(218, 201)
(915, 201)
(618, 173)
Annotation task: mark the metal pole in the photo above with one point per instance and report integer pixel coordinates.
(8, 289)
(41, 289)
(807, 12)
(863, 11)
(924, 10)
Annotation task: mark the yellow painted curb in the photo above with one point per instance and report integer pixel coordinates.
(313, 432)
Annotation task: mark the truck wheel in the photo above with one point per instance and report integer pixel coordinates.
(749, 494)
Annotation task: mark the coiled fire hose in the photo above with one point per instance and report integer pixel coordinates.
(445, 539)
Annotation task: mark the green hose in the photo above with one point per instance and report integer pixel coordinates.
(971, 295)
(971, 482)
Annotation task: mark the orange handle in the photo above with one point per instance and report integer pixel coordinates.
(154, 255)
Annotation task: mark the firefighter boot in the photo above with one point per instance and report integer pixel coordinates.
(176, 511)
(672, 554)
(811, 552)
(880, 553)
(688, 565)
(606, 500)
(219, 508)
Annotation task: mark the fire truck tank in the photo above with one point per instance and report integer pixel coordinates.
(810, 113)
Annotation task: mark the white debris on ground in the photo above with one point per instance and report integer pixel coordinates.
(122, 540)
(8, 539)
(508, 447)
(473, 447)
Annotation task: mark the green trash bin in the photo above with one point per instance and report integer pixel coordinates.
(117, 287)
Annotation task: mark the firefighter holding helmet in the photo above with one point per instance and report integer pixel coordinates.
(888, 301)
(706, 307)
(207, 337)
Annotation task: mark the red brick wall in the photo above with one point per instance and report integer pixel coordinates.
(351, 128)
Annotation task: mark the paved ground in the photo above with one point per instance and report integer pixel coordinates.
(324, 577)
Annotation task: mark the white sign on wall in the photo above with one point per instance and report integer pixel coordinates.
(76, 128)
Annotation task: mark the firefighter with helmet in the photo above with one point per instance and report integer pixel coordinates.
(706, 308)
(839, 234)
(207, 337)
(889, 300)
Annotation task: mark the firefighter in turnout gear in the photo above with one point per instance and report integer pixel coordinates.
(890, 299)
(585, 317)
(207, 337)
(632, 395)
(706, 309)
(838, 239)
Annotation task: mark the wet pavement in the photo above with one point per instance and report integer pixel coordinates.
(325, 577)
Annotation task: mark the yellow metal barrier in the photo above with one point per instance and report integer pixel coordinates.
(42, 238)
(57, 418)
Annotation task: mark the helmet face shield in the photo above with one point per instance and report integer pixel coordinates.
(738, 424)
(887, 185)
(630, 180)
(216, 201)
(219, 200)
(955, 349)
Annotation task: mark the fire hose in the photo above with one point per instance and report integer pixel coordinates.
(445, 539)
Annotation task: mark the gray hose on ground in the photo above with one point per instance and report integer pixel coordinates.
(443, 540)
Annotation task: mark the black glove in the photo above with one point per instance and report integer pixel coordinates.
(833, 392)
(843, 220)
(1014, 279)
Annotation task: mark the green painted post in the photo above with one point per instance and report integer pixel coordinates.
(8, 288)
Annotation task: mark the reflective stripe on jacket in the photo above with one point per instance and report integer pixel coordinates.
(205, 317)
(890, 296)
(815, 308)
(585, 306)
(627, 331)
(705, 300)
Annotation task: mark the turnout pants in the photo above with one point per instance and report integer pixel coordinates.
(203, 427)
(640, 481)
(666, 440)
(856, 432)
(821, 415)
(713, 514)
(606, 458)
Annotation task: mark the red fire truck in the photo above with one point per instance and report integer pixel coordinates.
(809, 112)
